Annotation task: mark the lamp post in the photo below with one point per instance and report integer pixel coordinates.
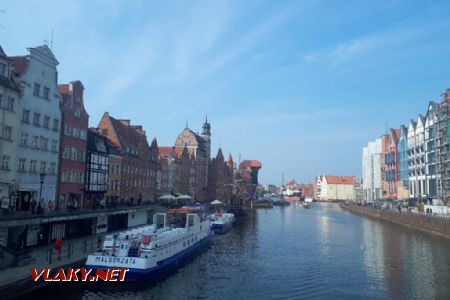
(41, 180)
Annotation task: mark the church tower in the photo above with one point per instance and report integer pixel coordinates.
(206, 135)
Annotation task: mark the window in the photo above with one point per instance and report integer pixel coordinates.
(55, 124)
(25, 116)
(46, 92)
(81, 155)
(34, 143)
(3, 69)
(23, 139)
(77, 112)
(52, 168)
(46, 122)
(54, 145)
(1, 96)
(65, 152)
(73, 153)
(7, 131)
(43, 166)
(67, 130)
(63, 176)
(33, 166)
(5, 162)
(44, 143)
(37, 120)
(10, 106)
(36, 89)
(21, 164)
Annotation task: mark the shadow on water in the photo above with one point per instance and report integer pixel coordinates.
(295, 253)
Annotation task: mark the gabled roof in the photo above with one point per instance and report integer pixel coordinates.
(128, 136)
(3, 54)
(394, 134)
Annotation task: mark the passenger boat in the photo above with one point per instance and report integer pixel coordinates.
(221, 222)
(149, 250)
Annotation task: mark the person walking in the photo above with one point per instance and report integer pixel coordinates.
(33, 206)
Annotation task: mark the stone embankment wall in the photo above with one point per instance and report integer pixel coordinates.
(436, 224)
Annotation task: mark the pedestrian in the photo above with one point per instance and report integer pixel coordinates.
(33, 206)
(99, 243)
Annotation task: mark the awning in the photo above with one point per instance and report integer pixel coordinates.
(28, 187)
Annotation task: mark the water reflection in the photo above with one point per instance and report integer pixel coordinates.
(295, 253)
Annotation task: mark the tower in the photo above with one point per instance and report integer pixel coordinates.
(206, 134)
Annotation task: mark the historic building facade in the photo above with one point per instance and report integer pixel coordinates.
(97, 170)
(113, 194)
(432, 178)
(416, 156)
(39, 137)
(139, 162)
(220, 182)
(391, 164)
(10, 111)
(199, 151)
(73, 145)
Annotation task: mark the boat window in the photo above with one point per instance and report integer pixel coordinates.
(184, 244)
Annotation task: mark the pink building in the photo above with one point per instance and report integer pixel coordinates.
(391, 164)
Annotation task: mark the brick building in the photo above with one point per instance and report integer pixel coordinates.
(391, 164)
(113, 195)
(139, 162)
(199, 150)
(220, 178)
(73, 145)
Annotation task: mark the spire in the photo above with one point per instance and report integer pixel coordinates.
(187, 125)
(206, 128)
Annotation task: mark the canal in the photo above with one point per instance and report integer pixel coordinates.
(295, 253)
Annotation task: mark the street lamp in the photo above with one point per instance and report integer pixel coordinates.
(41, 180)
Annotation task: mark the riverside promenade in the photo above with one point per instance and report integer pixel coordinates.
(17, 280)
(432, 223)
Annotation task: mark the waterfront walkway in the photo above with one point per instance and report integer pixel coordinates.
(433, 223)
(72, 251)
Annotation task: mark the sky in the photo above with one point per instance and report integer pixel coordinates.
(301, 86)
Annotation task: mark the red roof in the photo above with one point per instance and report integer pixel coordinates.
(340, 179)
(19, 64)
(250, 164)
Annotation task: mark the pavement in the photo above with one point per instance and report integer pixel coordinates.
(72, 251)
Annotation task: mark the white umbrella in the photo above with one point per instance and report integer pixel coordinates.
(184, 197)
(216, 202)
(167, 197)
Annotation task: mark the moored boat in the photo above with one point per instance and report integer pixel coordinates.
(221, 222)
(146, 251)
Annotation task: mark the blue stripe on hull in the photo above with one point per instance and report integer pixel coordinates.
(221, 228)
(163, 266)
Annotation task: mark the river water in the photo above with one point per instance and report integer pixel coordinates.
(294, 253)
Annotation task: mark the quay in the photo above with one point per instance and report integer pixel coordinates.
(431, 223)
(15, 276)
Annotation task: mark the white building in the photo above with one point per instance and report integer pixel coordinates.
(372, 171)
(37, 155)
(331, 187)
(10, 104)
(416, 158)
(432, 178)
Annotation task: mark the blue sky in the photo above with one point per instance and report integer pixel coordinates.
(300, 85)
